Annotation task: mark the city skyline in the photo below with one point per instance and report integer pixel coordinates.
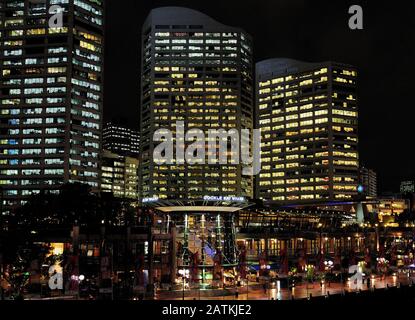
(242, 172)
(12, 88)
(296, 28)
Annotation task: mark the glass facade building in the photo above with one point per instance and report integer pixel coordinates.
(307, 113)
(51, 95)
(198, 71)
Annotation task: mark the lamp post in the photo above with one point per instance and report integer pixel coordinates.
(184, 273)
(329, 265)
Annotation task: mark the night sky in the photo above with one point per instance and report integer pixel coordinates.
(312, 30)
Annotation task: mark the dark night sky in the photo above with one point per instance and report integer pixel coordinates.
(312, 30)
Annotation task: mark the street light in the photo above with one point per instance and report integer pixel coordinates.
(329, 265)
(184, 273)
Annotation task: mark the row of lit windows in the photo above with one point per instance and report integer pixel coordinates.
(208, 83)
(31, 61)
(33, 101)
(268, 98)
(32, 172)
(305, 107)
(284, 88)
(32, 162)
(34, 81)
(198, 34)
(350, 73)
(175, 69)
(31, 141)
(51, 70)
(207, 49)
(35, 32)
(303, 156)
(309, 197)
(317, 188)
(201, 89)
(190, 190)
(36, 91)
(195, 41)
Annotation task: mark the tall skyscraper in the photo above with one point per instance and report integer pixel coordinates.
(368, 181)
(307, 113)
(198, 71)
(120, 140)
(51, 95)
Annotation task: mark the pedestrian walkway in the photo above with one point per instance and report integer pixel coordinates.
(300, 291)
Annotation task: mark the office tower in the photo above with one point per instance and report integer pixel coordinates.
(51, 95)
(407, 186)
(119, 175)
(307, 113)
(198, 71)
(120, 140)
(368, 181)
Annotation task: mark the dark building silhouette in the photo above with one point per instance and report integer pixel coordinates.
(368, 181)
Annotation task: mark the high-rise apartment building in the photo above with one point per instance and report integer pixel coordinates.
(307, 113)
(51, 95)
(198, 71)
(368, 181)
(120, 140)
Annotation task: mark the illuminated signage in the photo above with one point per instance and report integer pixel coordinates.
(223, 198)
(154, 199)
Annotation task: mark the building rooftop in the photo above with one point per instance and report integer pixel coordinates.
(184, 16)
(280, 66)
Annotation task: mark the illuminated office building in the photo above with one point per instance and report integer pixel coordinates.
(119, 175)
(120, 140)
(51, 96)
(198, 71)
(307, 113)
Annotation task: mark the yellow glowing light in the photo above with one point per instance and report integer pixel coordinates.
(57, 248)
